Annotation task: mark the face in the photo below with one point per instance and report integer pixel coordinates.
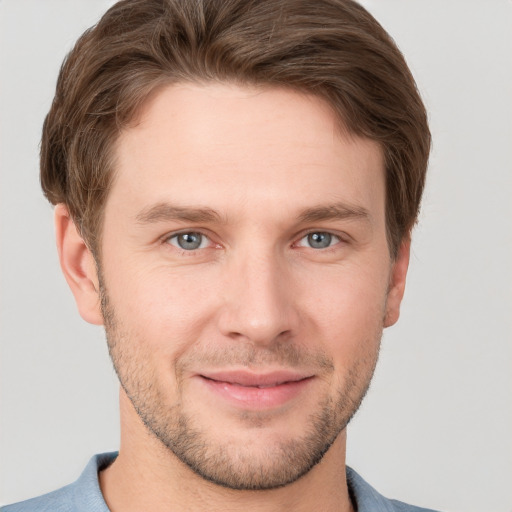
(245, 278)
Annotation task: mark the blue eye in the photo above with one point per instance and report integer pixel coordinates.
(319, 240)
(189, 241)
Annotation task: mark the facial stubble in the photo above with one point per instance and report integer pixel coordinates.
(226, 463)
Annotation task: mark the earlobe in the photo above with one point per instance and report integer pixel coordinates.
(79, 267)
(397, 283)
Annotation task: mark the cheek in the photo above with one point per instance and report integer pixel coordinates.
(347, 307)
(352, 292)
(158, 305)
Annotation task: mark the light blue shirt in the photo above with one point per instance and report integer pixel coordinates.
(84, 495)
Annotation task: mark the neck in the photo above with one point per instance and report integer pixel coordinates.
(147, 476)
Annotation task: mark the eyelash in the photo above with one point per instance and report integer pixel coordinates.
(184, 252)
(323, 249)
(196, 252)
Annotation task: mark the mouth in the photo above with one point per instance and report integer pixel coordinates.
(256, 390)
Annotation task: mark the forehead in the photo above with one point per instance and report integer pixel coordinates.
(235, 148)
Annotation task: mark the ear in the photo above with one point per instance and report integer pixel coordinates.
(79, 267)
(397, 283)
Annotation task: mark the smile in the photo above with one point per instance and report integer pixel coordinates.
(256, 391)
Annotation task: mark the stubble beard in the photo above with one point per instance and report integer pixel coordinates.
(225, 463)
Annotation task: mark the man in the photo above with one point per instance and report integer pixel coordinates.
(235, 186)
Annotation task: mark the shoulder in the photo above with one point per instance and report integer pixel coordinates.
(399, 506)
(367, 499)
(56, 501)
(80, 496)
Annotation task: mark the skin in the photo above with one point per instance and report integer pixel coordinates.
(255, 297)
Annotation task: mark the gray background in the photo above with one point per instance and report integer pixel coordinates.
(436, 427)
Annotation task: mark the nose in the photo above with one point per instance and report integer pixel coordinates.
(258, 306)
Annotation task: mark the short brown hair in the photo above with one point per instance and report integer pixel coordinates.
(331, 48)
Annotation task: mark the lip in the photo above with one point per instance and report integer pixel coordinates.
(251, 390)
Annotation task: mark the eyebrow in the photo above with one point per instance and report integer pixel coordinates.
(336, 211)
(165, 212)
